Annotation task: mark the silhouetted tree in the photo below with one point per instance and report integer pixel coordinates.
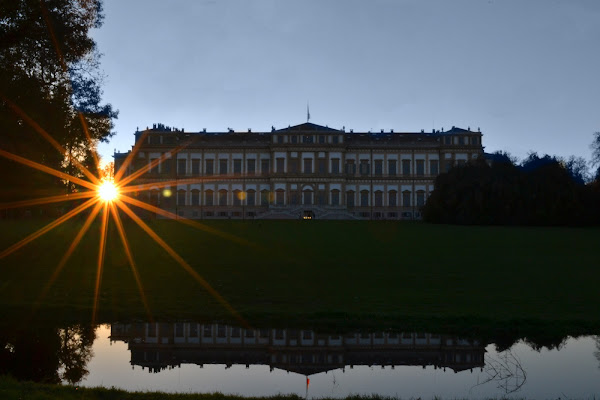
(595, 146)
(541, 191)
(50, 75)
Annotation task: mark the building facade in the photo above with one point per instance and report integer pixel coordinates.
(303, 171)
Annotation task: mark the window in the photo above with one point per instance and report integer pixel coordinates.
(280, 165)
(392, 196)
(321, 198)
(364, 198)
(210, 168)
(364, 167)
(209, 197)
(293, 165)
(405, 167)
(195, 197)
(335, 165)
(223, 166)
(154, 163)
(406, 198)
(237, 198)
(321, 139)
(166, 167)
(350, 198)
(195, 166)
(449, 164)
(181, 166)
(237, 166)
(433, 167)
(420, 198)
(294, 198)
(251, 166)
(392, 167)
(222, 197)
(447, 140)
(378, 198)
(307, 197)
(279, 197)
(335, 139)
(461, 140)
(251, 197)
(279, 139)
(474, 140)
(321, 165)
(350, 167)
(181, 197)
(378, 167)
(335, 197)
(264, 166)
(294, 139)
(264, 197)
(308, 165)
(420, 167)
(193, 330)
(307, 139)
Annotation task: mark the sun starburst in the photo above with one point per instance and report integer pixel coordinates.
(108, 197)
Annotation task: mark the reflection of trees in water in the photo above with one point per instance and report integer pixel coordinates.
(75, 352)
(506, 370)
(46, 354)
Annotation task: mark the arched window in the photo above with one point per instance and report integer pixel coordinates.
(280, 197)
(237, 197)
(195, 197)
(364, 198)
(181, 197)
(264, 197)
(222, 197)
(251, 197)
(335, 197)
(406, 198)
(209, 197)
(378, 198)
(307, 197)
(392, 198)
(420, 198)
(350, 198)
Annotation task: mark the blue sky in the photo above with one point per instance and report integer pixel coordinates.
(526, 72)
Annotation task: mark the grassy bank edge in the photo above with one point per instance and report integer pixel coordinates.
(12, 389)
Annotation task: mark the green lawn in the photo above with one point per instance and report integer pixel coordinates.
(348, 272)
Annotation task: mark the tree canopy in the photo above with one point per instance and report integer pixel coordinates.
(50, 81)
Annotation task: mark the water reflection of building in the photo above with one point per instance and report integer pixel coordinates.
(165, 345)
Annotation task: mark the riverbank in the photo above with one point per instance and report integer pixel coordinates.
(324, 273)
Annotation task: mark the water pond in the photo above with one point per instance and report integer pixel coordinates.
(196, 357)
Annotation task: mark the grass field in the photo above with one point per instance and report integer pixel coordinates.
(346, 273)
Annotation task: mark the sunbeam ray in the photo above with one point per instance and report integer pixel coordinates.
(186, 221)
(138, 281)
(70, 251)
(101, 254)
(182, 262)
(48, 227)
(48, 170)
(161, 184)
(49, 138)
(47, 200)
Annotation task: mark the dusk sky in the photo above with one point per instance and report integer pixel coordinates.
(526, 72)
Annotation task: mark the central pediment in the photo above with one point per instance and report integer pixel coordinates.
(308, 127)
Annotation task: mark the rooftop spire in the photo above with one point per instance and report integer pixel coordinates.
(307, 112)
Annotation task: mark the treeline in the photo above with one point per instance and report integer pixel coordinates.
(539, 191)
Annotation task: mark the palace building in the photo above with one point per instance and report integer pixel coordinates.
(303, 171)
